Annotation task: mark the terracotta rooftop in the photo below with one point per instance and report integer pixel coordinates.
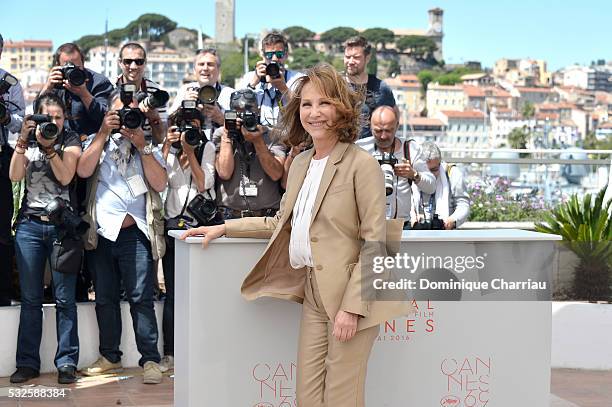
(468, 114)
(424, 121)
(547, 115)
(482, 91)
(533, 90)
(404, 81)
(28, 44)
(436, 86)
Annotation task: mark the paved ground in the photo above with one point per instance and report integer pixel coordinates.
(570, 388)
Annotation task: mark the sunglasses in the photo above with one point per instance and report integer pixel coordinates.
(270, 55)
(128, 61)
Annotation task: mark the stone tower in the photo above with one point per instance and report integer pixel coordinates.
(225, 12)
(435, 30)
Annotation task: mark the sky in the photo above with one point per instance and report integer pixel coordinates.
(560, 32)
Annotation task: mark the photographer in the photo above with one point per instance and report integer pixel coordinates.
(212, 97)
(152, 100)
(375, 93)
(191, 171)
(271, 81)
(46, 156)
(402, 163)
(249, 163)
(83, 91)
(12, 109)
(124, 208)
(450, 201)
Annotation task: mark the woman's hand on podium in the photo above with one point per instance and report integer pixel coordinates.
(209, 232)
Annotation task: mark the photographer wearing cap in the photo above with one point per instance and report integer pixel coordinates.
(212, 97)
(12, 109)
(126, 176)
(152, 100)
(83, 91)
(402, 163)
(46, 155)
(249, 162)
(448, 207)
(271, 80)
(375, 93)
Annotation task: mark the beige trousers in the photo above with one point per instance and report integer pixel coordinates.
(330, 373)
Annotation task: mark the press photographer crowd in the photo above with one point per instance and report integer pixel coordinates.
(108, 167)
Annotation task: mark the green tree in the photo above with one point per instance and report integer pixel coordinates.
(232, 65)
(378, 35)
(528, 110)
(419, 47)
(372, 66)
(336, 36)
(302, 58)
(394, 68)
(151, 25)
(297, 34)
(519, 137)
(425, 77)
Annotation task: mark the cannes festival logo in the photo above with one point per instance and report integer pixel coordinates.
(450, 401)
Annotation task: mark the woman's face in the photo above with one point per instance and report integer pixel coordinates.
(317, 113)
(56, 113)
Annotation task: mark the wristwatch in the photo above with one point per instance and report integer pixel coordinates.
(147, 150)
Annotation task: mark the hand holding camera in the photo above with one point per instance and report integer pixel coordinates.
(136, 137)
(110, 123)
(39, 128)
(69, 76)
(405, 170)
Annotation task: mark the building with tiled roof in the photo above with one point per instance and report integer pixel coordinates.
(21, 56)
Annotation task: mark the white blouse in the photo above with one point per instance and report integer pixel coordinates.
(178, 181)
(300, 254)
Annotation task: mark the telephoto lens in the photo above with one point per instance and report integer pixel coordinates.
(156, 99)
(130, 118)
(207, 94)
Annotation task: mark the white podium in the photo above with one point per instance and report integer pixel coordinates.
(471, 353)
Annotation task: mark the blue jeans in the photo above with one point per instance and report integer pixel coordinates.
(128, 259)
(33, 244)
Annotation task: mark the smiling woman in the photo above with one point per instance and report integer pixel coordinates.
(334, 202)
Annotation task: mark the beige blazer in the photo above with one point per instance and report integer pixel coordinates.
(349, 209)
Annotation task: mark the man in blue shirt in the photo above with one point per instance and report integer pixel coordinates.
(86, 103)
(10, 123)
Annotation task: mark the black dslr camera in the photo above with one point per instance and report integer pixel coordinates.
(75, 75)
(130, 117)
(187, 113)
(207, 94)
(48, 129)
(154, 99)
(61, 214)
(273, 70)
(387, 161)
(6, 82)
(430, 224)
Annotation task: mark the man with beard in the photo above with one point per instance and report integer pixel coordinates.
(357, 54)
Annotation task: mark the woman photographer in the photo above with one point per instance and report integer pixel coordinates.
(48, 164)
(330, 223)
(191, 171)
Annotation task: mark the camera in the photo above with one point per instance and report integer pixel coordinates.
(244, 104)
(272, 70)
(75, 75)
(6, 82)
(187, 113)
(430, 224)
(154, 99)
(202, 209)
(61, 214)
(48, 129)
(232, 126)
(130, 117)
(387, 161)
(207, 94)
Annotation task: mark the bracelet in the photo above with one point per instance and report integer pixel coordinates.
(21, 143)
(251, 86)
(20, 152)
(49, 157)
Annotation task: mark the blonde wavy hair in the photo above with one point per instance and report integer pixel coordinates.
(340, 95)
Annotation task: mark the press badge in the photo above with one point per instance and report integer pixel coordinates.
(250, 189)
(136, 185)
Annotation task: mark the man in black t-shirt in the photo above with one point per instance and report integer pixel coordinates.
(357, 54)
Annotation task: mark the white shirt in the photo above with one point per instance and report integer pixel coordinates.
(400, 202)
(179, 190)
(300, 254)
(114, 200)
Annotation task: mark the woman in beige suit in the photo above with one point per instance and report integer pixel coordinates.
(331, 221)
